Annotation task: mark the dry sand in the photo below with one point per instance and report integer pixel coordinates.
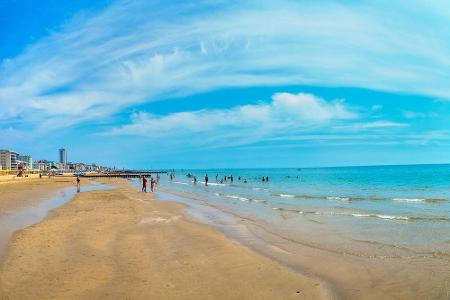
(122, 244)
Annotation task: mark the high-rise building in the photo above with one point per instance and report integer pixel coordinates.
(8, 160)
(5, 159)
(63, 156)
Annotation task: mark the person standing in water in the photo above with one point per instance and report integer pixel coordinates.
(78, 184)
(231, 179)
(195, 179)
(144, 184)
(152, 184)
(206, 180)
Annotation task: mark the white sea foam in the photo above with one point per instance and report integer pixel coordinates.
(361, 215)
(183, 183)
(339, 198)
(409, 199)
(212, 183)
(392, 217)
(259, 201)
(237, 197)
(388, 217)
(287, 196)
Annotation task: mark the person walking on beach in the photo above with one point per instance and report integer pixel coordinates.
(144, 184)
(152, 184)
(206, 180)
(78, 184)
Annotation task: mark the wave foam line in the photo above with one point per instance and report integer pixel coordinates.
(287, 195)
(339, 198)
(183, 183)
(409, 199)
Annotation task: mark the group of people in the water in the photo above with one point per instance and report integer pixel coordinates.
(222, 180)
(225, 179)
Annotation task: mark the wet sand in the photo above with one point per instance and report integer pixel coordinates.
(123, 244)
(18, 192)
(25, 203)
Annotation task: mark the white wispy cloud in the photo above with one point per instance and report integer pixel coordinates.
(285, 114)
(371, 125)
(418, 114)
(139, 51)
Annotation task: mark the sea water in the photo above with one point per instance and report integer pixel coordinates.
(369, 211)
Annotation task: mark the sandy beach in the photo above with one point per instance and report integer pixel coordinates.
(17, 191)
(122, 244)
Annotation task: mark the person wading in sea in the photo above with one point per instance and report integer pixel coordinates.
(206, 179)
(144, 184)
(152, 184)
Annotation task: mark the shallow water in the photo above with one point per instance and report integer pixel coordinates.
(394, 207)
(36, 211)
(383, 225)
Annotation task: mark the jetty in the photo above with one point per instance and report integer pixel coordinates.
(123, 174)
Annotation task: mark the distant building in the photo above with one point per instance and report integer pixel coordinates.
(40, 166)
(27, 159)
(47, 165)
(8, 160)
(63, 156)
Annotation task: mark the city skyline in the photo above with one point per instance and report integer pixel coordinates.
(219, 86)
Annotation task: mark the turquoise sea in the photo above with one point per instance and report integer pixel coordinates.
(374, 210)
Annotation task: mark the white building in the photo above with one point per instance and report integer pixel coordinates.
(27, 159)
(8, 160)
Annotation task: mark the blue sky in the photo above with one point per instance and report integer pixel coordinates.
(156, 84)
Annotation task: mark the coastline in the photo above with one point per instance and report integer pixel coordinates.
(122, 243)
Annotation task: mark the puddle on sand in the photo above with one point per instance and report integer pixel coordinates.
(13, 220)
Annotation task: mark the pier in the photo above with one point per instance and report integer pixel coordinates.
(124, 175)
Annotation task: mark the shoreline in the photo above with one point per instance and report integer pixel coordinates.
(117, 227)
